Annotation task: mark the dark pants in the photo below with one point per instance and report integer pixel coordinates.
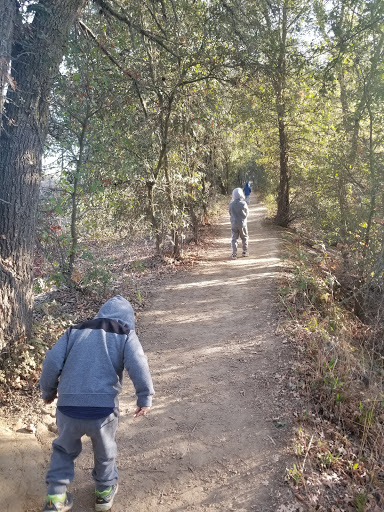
(68, 446)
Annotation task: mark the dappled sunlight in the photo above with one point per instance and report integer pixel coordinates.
(201, 301)
(182, 368)
(236, 280)
(203, 320)
(196, 353)
(226, 243)
(188, 447)
(239, 262)
(207, 440)
(257, 262)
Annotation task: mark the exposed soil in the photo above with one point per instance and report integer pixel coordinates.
(218, 436)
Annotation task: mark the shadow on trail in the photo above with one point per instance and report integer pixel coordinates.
(210, 441)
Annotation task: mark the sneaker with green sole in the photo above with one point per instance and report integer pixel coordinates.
(104, 499)
(58, 502)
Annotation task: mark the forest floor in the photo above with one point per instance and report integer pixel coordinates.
(219, 434)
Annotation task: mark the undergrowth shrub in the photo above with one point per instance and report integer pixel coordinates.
(343, 376)
(21, 365)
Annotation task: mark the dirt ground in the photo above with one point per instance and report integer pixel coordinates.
(219, 434)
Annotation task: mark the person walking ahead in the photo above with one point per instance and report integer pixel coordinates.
(247, 192)
(238, 211)
(85, 367)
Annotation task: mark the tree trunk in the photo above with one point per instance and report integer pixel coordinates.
(340, 177)
(37, 49)
(373, 184)
(175, 235)
(194, 221)
(227, 175)
(205, 200)
(68, 269)
(151, 213)
(7, 23)
(74, 199)
(283, 206)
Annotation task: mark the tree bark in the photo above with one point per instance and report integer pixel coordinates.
(37, 49)
(373, 185)
(7, 23)
(74, 199)
(283, 206)
(174, 228)
(152, 214)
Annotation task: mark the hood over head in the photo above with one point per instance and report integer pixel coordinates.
(118, 309)
(238, 194)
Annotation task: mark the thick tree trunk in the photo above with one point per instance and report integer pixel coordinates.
(36, 54)
(283, 215)
(283, 207)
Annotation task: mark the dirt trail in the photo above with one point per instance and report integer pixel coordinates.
(217, 436)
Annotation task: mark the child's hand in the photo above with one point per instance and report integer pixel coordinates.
(50, 400)
(141, 411)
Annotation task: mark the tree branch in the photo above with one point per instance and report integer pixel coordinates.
(100, 45)
(105, 6)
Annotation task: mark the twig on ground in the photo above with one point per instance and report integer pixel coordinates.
(306, 455)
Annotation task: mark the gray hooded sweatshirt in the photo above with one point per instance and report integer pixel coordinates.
(238, 209)
(85, 367)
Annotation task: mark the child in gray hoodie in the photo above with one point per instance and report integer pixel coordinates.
(85, 369)
(238, 211)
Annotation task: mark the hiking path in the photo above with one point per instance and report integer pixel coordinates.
(219, 434)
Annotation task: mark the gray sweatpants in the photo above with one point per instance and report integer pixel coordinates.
(68, 446)
(241, 232)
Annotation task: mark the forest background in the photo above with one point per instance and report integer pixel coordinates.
(156, 108)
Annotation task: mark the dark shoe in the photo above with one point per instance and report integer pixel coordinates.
(58, 502)
(104, 499)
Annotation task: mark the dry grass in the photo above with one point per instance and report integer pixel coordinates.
(340, 436)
